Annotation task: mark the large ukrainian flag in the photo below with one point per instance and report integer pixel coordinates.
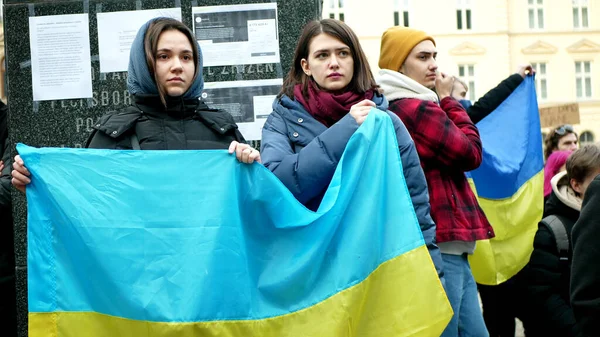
(509, 185)
(192, 243)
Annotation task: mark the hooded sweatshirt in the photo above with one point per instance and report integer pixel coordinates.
(448, 144)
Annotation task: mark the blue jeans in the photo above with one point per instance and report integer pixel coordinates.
(461, 290)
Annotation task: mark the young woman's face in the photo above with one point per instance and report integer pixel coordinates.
(174, 62)
(329, 63)
(420, 65)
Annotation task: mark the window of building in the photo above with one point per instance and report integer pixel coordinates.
(335, 9)
(463, 14)
(401, 11)
(466, 72)
(583, 79)
(536, 14)
(580, 14)
(541, 83)
(586, 137)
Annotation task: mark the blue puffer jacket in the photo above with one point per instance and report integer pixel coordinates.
(303, 153)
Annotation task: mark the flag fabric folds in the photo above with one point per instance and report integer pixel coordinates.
(509, 185)
(193, 243)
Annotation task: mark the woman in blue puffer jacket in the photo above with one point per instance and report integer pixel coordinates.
(325, 97)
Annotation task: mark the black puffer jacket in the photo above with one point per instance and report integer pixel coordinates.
(183, 125)
(585, 281)
(7, 250)
(544, 282)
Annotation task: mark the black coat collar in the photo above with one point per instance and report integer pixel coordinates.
(176, 107)
(117, 123)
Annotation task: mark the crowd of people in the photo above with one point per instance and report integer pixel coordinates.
(327, 94)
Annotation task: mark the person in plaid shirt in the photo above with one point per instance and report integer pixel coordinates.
(448, 145)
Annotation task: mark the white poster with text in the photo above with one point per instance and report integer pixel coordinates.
(117, 30)
(61, 66)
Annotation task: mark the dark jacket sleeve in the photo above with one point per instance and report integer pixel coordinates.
(444, 134)
(5, 177)
(542, 286)
(493, 98)
(585, 270)
(5, 200)
(306, 173)
(417, 187)
(239, 137)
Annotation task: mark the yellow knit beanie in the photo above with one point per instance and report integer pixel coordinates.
(397, 43)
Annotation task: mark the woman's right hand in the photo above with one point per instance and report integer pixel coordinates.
(360, 110)
(20, 174)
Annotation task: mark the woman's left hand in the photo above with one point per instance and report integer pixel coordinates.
(244, 152)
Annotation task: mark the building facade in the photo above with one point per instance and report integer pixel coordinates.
(484, 41)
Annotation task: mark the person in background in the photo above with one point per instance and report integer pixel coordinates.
(165, 79)
(585, 270)
(555, 163)
(460, 90)
(325, 97)
(544, 282)
(560, 138)
(8, 303)
(448, 145)
(486, 104)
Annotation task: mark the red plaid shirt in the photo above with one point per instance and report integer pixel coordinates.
(448, 144)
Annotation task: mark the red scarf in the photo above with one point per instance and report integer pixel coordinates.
(326, 107)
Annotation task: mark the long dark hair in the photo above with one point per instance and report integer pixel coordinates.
(362, 80)
(156, 28)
